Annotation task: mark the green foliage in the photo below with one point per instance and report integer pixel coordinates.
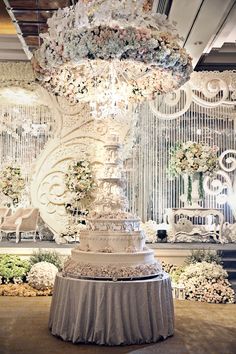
(190, 187)
(201, 189)
(47, 256)
(203, 255)
(13, 268)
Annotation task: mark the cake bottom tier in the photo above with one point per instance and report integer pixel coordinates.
(111, 265)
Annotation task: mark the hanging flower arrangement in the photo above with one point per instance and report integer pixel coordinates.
(193, 158)
(81, 184)
(76, 56)
(12, 183)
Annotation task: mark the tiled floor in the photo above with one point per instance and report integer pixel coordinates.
(199, 329)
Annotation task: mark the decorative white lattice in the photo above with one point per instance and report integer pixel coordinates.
(223, 185)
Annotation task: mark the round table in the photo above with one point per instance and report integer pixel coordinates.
(112, 312)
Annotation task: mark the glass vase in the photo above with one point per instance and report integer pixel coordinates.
(193, 190)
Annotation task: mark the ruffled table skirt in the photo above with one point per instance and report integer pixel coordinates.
(112, 313)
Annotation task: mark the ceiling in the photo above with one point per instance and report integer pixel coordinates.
(207, 27)
(10, 45)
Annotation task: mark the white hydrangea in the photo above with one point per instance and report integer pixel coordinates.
(150, 228)
(206, 282)
(204, 270)
(42, 275)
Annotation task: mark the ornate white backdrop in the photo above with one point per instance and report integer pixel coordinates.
(207, 100)
(202, 110)
(74, 135)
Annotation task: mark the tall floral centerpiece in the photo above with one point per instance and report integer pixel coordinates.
(12, 183)
(192, 160)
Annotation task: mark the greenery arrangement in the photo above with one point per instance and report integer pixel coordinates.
(13, 269)
(47, 256)
(20, 277)
(203, 255)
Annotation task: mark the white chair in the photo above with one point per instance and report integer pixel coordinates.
(23, 220)
(4, 211)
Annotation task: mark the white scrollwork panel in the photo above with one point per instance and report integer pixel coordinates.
(48, 190)
(53, 192)
(228, 163)
(223, 184)
(215, 91)
(207, 89)
(180, 100)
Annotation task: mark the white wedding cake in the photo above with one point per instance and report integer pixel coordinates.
(113, 245)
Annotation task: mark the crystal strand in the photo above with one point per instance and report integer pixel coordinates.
(153, 180)
(150, 190)
(145, 168)
(156, 167)
(139, 184)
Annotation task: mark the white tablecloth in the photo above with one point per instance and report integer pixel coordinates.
(112, 313)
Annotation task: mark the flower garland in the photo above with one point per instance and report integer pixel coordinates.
(193, 158)
(137, 55)
(81, 184)
(12, 183)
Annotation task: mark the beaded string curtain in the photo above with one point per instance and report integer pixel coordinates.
(24, 131)
(208, 120)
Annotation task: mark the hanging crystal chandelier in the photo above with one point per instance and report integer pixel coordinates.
(110, 53)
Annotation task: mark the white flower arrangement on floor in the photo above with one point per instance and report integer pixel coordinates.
(205, 282)
(12, 183)
(42, 275)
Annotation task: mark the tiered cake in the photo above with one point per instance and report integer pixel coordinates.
(113, 246)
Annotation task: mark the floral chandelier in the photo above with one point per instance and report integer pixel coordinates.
(110, 53)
